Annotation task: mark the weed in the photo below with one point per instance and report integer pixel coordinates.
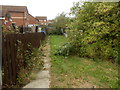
(76, 70)
(33, 63)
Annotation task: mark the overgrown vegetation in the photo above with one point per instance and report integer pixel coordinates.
(32, 59)
(75, 72)
(59, 22)
(93, 39)
(9, 30)
(94, 31)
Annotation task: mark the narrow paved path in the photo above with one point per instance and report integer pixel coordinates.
(42, 77)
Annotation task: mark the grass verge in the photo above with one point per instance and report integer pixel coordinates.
(76, 72)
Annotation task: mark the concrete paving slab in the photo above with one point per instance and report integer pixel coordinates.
(43, 76)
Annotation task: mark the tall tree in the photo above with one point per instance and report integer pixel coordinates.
(60, 22)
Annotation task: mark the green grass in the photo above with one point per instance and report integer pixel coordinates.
(76, 72)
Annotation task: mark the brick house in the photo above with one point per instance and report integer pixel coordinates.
(17, 15)
(42, 20)
(32, 20)
(49, 22)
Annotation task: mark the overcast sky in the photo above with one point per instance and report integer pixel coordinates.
(49, 8)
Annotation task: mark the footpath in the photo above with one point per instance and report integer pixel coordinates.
(43, 77)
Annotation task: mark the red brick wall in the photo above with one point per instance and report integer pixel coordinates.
(20, 18)
(32, 20)
(37, 22)
(19, 22)
(43, 22)
(15, 14)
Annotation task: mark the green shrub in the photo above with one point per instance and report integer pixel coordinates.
(54, 31)
(94, 30)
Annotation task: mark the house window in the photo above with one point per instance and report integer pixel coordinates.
(2, 17)
(10, 19)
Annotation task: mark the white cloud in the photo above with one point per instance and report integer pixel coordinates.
(49, 8)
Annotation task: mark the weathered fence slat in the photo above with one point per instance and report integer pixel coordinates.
(11, 63)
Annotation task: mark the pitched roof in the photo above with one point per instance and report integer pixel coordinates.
(41, 17)
(32, 16)
(9, 8)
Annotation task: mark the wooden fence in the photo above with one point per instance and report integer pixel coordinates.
(11, 64)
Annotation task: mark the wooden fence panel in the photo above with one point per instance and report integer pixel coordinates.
(11, 63)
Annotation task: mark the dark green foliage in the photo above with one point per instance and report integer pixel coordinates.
(94, 30)
(54, 31)
(59, 22)
(32, 63)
